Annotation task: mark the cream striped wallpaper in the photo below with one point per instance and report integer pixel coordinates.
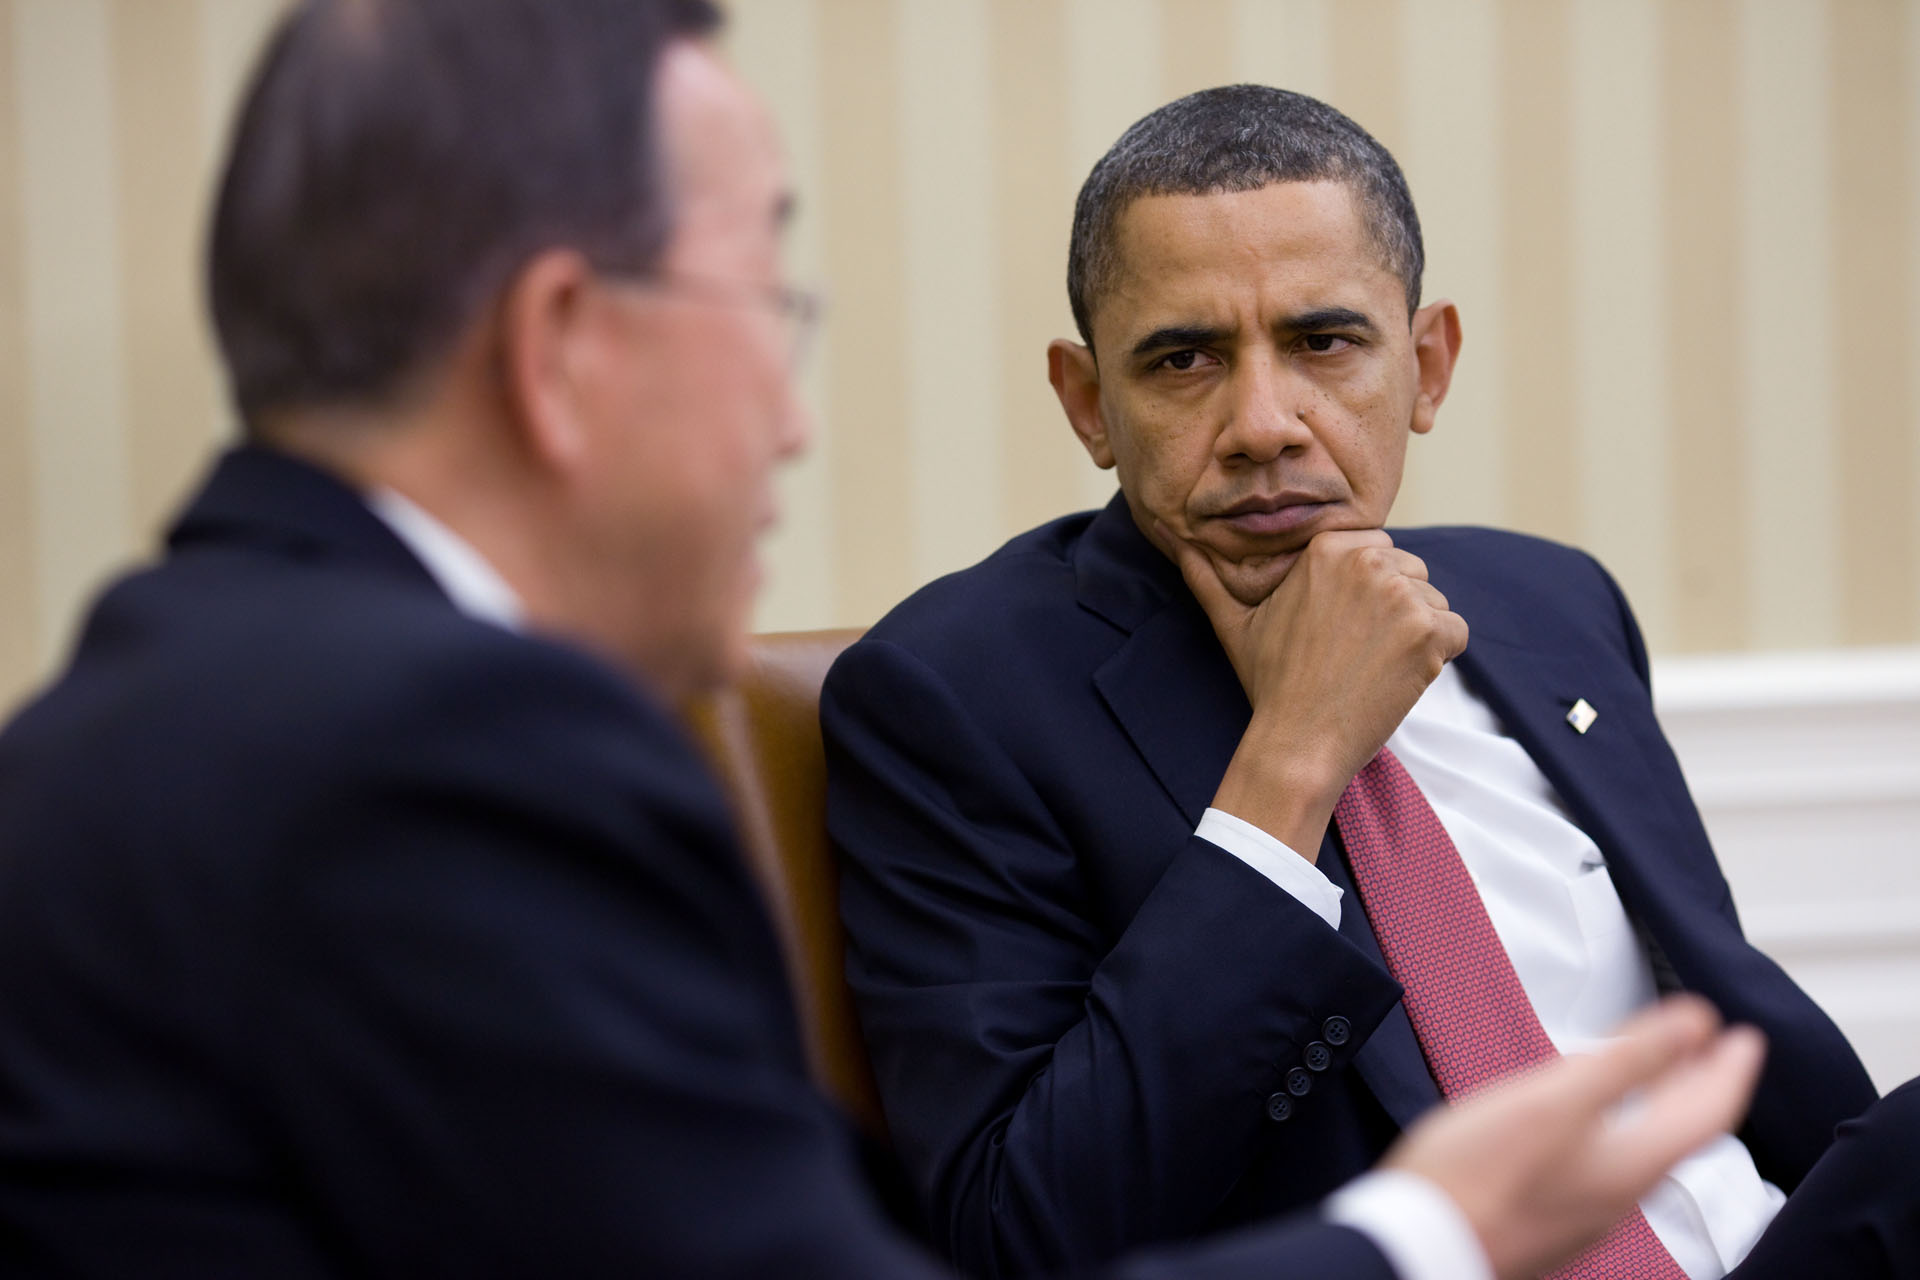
(1684, 236)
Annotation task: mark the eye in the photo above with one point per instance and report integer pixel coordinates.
(1326, 343)
(1185, 361)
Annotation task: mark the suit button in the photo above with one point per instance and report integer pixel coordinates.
(1279, 1107)
(1318, 1057)
(1298, 1082)
(1336, 1031)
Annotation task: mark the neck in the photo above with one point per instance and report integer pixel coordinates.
(454, 466)
(461, 459)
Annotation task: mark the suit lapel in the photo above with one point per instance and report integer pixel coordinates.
(1175, 694)
(1532, 693)
(1168, 683)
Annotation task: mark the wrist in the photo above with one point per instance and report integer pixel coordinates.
(1287, 792)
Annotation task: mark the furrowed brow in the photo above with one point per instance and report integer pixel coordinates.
(1175, 337)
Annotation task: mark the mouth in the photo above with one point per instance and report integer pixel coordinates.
(1265, 516)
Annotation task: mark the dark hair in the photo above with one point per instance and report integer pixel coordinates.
(1237, 138)
(394, 161)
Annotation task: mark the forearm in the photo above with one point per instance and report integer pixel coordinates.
(1281, 785)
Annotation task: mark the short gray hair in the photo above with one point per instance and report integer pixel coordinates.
(395, 162)
(1237, 138)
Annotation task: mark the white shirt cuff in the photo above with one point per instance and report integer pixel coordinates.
(1421, 1230)
(1275, 860)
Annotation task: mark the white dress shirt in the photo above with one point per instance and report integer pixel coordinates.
(1551, 899)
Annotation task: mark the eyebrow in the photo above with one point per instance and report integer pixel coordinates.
(1328, 318)
(1177, 336)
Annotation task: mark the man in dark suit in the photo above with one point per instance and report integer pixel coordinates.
(362, 910)
(1103, 931)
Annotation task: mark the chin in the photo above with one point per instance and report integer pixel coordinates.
(728, 647)
(1253, 579)
(689, 662)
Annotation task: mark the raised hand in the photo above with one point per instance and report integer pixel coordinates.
(1332, 661)
(1541, 1166)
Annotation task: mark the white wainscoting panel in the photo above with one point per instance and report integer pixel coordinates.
(1806, 767)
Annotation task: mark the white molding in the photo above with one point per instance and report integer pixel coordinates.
(1813, 677)
(1806, 768)
(1859, 925)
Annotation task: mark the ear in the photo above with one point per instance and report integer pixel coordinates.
(1076, 380)
(547, 318)
(1436, 345)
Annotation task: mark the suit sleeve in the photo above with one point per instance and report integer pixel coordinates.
(523, 1015)
(1058, 1094)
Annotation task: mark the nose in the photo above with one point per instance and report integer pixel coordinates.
(1266, 412)
(794, 430)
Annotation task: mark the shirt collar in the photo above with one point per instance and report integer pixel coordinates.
(475, 587)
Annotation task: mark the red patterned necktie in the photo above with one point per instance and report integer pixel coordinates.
(1468, 1009)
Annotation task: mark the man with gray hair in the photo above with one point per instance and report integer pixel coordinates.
(1192, 850)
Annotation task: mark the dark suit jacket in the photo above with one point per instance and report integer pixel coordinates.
(1083, 1018)
(343, 934)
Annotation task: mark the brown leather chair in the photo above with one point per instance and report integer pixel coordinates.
(763, 737)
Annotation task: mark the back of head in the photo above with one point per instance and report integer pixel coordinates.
(396, 160)
(1237, 138)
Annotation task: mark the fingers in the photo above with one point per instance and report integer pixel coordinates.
(1647, 1044)
(1449, 628)
(1431, 594)
(1406, 563)
(1541, 1165)
(1697, 1081)
(1453, 635)
(1352, 539)
(1354, 612)
(1691, 1104)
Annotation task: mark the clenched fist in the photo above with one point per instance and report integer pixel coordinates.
(1332, 661)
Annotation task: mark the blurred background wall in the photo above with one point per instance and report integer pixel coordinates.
(1684, 236)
